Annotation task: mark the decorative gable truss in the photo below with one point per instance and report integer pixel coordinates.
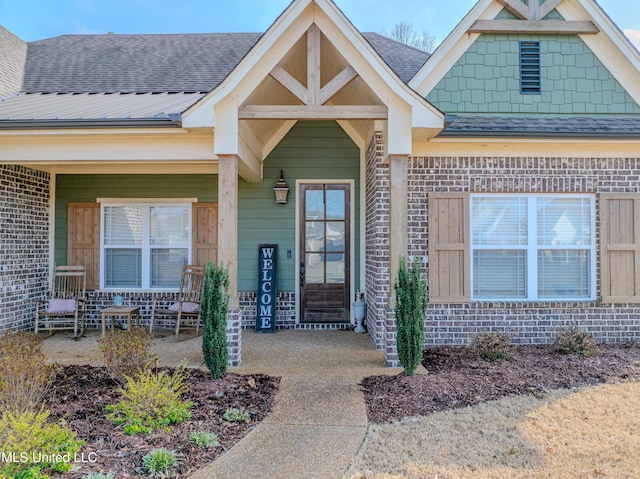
(314, 97)
(529, 20)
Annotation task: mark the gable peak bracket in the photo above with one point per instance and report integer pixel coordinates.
(534, 27)
(532, 10)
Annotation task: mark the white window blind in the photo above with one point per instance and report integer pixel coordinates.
(145, 245)
(535, 247)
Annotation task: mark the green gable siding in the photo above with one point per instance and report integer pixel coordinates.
(311, 150)
(486, 79)
(86, 188)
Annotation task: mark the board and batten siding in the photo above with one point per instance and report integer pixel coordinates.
(87, 188)
(311, 150)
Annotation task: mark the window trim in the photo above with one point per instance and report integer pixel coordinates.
(147, 204)
(532, 249)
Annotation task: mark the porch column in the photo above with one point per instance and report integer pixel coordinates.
(228, 247)
(398, 212)
(398, 239)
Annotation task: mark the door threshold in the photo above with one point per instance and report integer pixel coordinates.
(324, 326)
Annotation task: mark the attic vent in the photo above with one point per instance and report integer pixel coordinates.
(530, 68)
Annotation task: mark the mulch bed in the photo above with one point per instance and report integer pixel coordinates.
(79, 395)
(457, 377)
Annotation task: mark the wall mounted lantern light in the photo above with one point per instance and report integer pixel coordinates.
(281, 190)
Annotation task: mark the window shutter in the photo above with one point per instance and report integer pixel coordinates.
(204, 233)
(620, 248)
(449, 256)
(83, 240)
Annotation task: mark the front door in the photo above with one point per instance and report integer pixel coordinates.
(324, 253)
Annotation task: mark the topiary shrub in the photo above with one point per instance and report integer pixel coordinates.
(492, 346)
(150, 400)
(126, 353)
(573, 340)
(24, 374)
(33, 447)
(214, 306)
(411, 309)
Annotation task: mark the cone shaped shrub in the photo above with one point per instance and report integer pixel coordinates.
(213, 310)
(411, 309)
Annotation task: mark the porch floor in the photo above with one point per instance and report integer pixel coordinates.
(319, 420)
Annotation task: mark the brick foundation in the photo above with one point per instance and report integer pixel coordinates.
(285, 310)
(24, 244)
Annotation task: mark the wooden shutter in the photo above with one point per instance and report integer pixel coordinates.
(620, 248)
(204, 233)
(449, 255)
(83, 240)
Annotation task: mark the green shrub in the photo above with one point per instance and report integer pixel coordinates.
(126, 353)
(214, 305)
(573, 340)
(492, 346)
(38, 447)
(160, 462)
(24, 374)
(411, 309)
(99, 475)
(150, 400)
(234, 414)
(203, 439)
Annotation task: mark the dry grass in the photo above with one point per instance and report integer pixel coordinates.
(588, 433)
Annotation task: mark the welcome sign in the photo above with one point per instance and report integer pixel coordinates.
(267, 281)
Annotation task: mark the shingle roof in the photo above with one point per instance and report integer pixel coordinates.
(542, 127)
(162, 63)
(13, 55)
(134, 63)
(404, 60)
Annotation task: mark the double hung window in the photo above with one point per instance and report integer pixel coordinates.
(533, 247)
(144, 245)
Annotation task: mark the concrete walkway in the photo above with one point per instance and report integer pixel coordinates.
(319, 420)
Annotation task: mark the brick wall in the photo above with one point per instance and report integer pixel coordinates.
(285, 310)
(24, 244)
(527, 322)
(377, 242)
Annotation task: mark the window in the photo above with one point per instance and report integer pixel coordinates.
(144, 245)
(534, 247)
(530, 83)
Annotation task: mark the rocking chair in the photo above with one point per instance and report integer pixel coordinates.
(188, 304)
(65, 307)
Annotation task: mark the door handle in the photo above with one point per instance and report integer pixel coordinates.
(302, 274)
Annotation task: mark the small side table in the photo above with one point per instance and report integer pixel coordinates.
(113, 311)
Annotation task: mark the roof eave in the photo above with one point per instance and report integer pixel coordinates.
(174, 121)
(528, 135)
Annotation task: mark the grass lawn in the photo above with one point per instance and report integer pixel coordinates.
(592, 432)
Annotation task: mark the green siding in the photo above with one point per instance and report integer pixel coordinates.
(486, 80)
(311, 150)
(86, 188)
